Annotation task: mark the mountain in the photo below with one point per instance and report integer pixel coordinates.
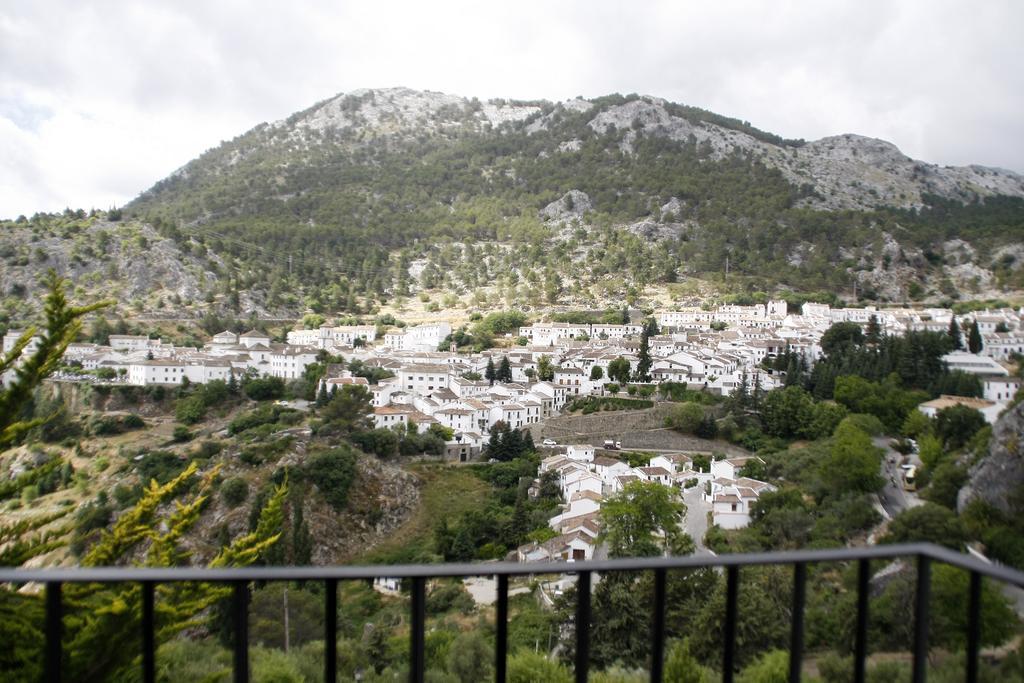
(375, 196)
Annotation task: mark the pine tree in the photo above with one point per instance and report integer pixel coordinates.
(232, 383)
(625, 315)
(974, 344)
(955, 334)
(490, 374)
(322, 397)
(504, 373)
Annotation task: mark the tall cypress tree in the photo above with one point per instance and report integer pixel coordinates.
(955, 335)
(643, 365)
(489, 373)
(873, 334)
(974, 339)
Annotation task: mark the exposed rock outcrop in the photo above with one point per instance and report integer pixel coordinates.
(573, 204)
(1000, 475)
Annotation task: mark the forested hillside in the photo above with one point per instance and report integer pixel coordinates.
(377, 196)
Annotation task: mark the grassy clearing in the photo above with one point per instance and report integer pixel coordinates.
(447, 492)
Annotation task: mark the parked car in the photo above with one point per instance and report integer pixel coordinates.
(549, 442)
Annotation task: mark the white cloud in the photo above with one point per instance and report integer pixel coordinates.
(100, 100)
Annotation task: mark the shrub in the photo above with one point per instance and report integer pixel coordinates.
(133, 421)
(161, 466)
(448, 597)
(189, 410)
(181, 434)
(264, 388)
(234, 491)
(333, 472)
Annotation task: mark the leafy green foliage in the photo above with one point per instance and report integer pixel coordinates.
(928, 523)
(263, 388)
(333, 473)
(643, 520)
(234, 491)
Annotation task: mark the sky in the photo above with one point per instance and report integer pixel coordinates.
(99, 99)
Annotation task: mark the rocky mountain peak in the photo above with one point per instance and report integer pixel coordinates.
(385, 110)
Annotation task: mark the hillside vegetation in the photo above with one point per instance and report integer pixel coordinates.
(416, 199)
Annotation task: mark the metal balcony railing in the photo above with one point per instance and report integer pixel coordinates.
(924, 554)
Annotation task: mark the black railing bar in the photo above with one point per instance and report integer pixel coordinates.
(54, 631)
(582, 627)
(921, 618)
(240, 617)
(796, 635)
(732, 584)
(658, 626)
(501, 631)
(148, 633)
(356, 572)
(330, 630)
(973, 627)
(417, 656)
(860, 643)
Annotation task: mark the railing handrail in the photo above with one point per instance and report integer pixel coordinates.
(923, 554)
(449, 570)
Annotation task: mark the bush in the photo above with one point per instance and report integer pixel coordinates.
(333, 473)
(448, 597)
(259, 453)
(686, 417)
(234, 491)
(206, 450)
(264, 388)
(133, 421)
(161, 466)
(189, 410)
(181, 434)
(866, 423)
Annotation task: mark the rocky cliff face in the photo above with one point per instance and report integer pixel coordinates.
(120, 260)
(999, 477)
(846, 171)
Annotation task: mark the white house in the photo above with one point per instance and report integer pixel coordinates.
(1001, 389)
(729, 468)
(584, 452)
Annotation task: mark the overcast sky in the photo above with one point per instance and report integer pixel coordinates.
(100, 99)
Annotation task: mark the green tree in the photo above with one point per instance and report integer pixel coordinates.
(841, 337)
(470, 657)
(928, 523)
(955, 335)
(853, 462)
(504, 372)
(873, 333)
(618, 370)
(348, 411)
(974, 343)
(957, 424)
(545, 370)
(596, 373)
(643, 364)
(643, 520)
(787, 413)
(686, 417)
(490, 374)
(682, 667)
